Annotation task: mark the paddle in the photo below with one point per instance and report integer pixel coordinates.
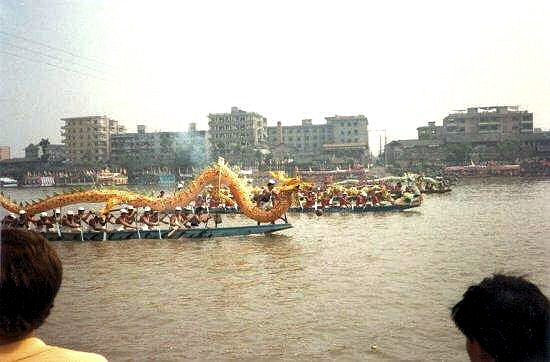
(173, 231)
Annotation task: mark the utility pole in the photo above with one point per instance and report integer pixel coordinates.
(380, 142)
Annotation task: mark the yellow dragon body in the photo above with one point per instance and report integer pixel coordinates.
(216, 175)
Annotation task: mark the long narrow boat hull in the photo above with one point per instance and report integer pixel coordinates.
(332, 209)
(437, 191)
(361, 209)
(166, 234)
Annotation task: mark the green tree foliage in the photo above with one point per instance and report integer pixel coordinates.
(458, 152)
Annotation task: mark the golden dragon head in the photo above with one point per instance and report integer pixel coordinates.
(289, 185)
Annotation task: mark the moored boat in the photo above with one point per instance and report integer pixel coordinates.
(198, 233)
(8, 182)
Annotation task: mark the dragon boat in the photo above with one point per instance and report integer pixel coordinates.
(167, 234)
(443, 191)
(332, 209)
(215, 176)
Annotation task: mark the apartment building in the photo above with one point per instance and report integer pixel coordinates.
(487, 123)
(88, 139)
(341, 137)
(238, 127)
(5, 153)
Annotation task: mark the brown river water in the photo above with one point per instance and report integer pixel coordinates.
(328, 289)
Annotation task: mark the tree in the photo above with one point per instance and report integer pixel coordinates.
(509, 150)
(458, 152)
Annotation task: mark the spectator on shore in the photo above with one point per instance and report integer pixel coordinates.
(30, 277)
(504, 318)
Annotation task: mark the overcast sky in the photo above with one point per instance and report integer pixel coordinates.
(165, 64)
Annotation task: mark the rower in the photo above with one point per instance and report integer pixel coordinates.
(44, 223)
(9, 220)
(270, 188)
(177, 220)
(199, 203)
(132, 214)
(194, 220)
(155, 218)
(22, 222)
(56, 216)
(96, 223)
(68, 221)
(325, 200)
(375, 199)
(344, 200)
(148, 220)
(265, 198)
(361, 199)
(398, 192)
(123, 221)
(80, 216)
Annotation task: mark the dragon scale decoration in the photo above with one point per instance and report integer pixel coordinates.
(216, 175)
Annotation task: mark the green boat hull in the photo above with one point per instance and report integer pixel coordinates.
(332, 209)
(166, 234)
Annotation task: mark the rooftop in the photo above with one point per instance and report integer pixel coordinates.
(85, 117)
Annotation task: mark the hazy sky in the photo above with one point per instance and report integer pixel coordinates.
(400, 63)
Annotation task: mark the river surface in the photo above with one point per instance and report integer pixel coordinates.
(328, 289)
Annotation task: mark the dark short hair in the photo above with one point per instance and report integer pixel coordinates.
(508, 316)
(30, 277)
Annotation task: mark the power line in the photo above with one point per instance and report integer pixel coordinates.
(55, 66)
(54, 57)
(54, 48)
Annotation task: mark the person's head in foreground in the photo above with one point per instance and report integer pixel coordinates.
(504, 318)
(30, 277)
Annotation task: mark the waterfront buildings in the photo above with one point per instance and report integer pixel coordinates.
(341, 139)
(487, 124)
(88, 139)
(5, 153)
(46, 152)
(169, 149)
(477, 134)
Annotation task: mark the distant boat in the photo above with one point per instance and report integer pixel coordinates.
(437, 191)
(8, 182)
(108, 178)
(199, 233)
(332, 209)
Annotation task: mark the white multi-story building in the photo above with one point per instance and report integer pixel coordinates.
(88, 139)
(341, 137)
(238, 127)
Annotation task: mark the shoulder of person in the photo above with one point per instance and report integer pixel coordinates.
(69, 355)
(34, 349)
